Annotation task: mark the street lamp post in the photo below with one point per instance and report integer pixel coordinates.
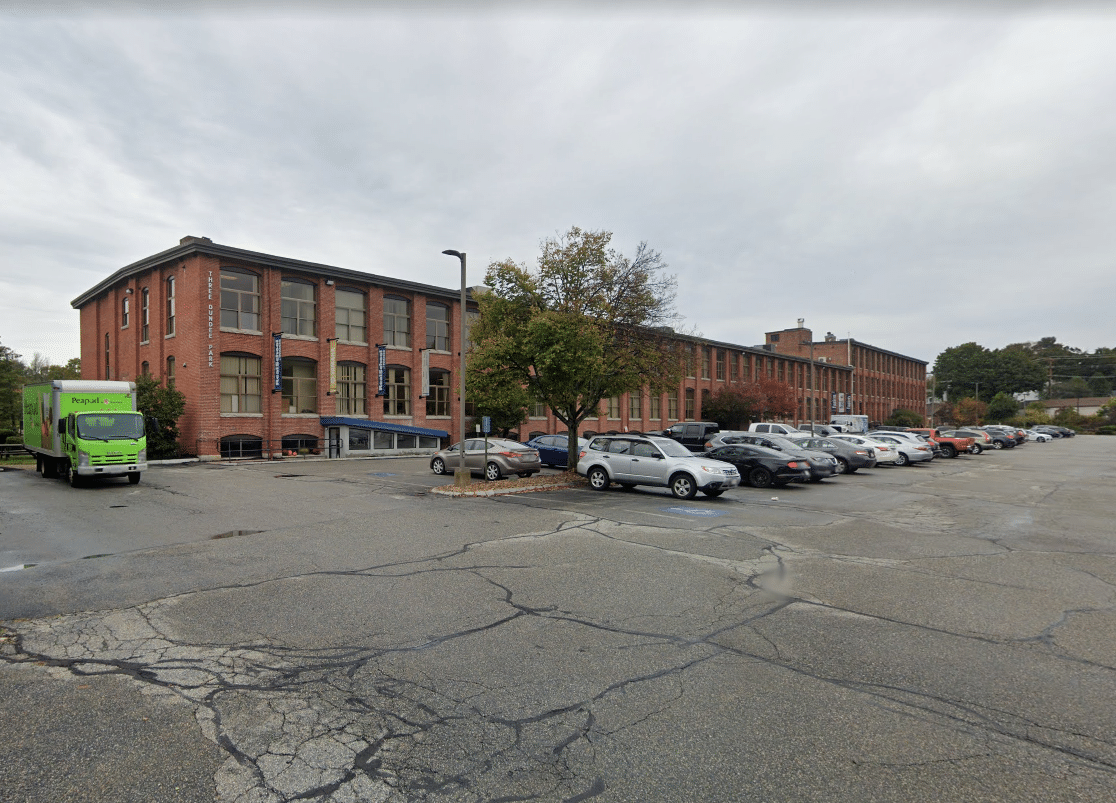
(461, 474)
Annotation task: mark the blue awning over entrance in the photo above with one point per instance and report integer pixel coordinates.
(383, 426)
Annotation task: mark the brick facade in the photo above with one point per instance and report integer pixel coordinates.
(876, 381)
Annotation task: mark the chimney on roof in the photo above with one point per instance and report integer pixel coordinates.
(830, 337)
(190, 239)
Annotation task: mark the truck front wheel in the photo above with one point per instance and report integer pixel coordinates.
(133, 477)
(70, 473)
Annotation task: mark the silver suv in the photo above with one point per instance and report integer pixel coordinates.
(633, 460)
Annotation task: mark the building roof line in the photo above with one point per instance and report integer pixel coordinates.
(197, 245)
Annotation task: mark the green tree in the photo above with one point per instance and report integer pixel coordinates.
(11, 390)
(971, 370)
(581, 327)
(901, 417)
(1002, 407)
(730, 407)
(499, 396)
(162, 406)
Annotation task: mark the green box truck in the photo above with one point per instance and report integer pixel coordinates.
(79, 428)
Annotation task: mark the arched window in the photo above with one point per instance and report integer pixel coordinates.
(352, 390)
(437, 327)
(240, 382)
(438, 402)
(300, 385)
(299, 308)
(240, 300)
(397, 399)
(397, 321)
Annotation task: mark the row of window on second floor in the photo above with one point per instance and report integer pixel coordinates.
(242, 388)
(240, 311)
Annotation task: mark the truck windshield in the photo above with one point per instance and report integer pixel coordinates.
(110, 427)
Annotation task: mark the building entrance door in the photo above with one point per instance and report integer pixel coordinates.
(335, 441)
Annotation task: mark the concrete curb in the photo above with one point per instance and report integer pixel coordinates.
(451, 490)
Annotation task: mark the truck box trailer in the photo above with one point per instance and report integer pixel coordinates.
(78, 428)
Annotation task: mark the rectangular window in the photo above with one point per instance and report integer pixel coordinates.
(240, 300)
(298, 308)
(398, 398)
(170, 371)
(672, 407)
(689, 404)
(351, 389)
(438, 402)
(145, 312)
(300, 386)
(437, 327)
(613, 406)
(656, 408)
(397, 322)
(350, 316)
(691, 361)
(705, 359)
(538, 409)
(721, 364)
(240, 383)
(170, 305)
(635, 406)
(124, 312)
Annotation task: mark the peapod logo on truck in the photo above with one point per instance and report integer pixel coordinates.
(87, 400)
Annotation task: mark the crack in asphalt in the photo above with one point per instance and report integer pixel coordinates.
(367, 733)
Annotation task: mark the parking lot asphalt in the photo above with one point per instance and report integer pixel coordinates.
(332, 630)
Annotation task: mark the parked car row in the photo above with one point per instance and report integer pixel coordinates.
(727, 458)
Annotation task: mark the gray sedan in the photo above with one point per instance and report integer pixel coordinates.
(850, 457)
(495, 458)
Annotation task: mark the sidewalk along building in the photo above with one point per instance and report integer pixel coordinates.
(278, 355)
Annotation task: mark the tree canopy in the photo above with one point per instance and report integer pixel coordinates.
(582, 326)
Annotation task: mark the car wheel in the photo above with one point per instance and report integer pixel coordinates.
(977, 448)
(843, 466)
(492, 472)
(948, 450)
(598, 478)
(715, 493)
(682, 486)
(997, 445)
(759, 478)
(903, 460)
(438, 465)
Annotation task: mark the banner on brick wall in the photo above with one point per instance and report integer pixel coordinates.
(833, 402)
(332, 366)
(277, 347)
(841, 403)
(425, 372)
(381, 384)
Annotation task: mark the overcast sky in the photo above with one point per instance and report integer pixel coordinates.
(915, 175)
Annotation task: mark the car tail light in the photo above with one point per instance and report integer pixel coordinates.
(581, 454)
(862, 452)
(793, 464)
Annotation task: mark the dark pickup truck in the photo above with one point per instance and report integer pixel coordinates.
(693, 434)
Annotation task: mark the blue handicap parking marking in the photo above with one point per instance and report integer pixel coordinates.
(695, 511)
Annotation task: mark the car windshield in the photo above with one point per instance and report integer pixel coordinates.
(674, 449)
(110, 427)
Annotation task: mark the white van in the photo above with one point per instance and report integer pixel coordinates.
(854, 424)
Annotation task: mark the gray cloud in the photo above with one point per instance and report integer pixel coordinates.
(916, 179)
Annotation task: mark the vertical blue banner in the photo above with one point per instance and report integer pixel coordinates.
(833, 402)
(381, 387)
(278, 367)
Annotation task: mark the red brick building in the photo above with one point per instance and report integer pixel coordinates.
(276, 354)
(205, 316)
(882, 381)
